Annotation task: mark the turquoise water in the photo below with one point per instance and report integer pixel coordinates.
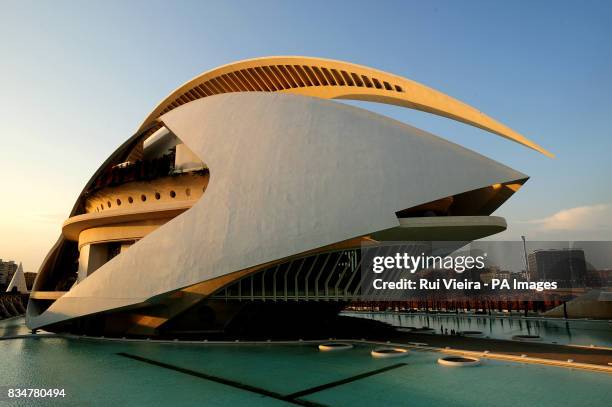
(13, 326)
(93, 373)
(576, 332)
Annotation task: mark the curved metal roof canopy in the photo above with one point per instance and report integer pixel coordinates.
(330, 79)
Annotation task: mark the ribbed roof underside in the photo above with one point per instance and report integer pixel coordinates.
(328, 79)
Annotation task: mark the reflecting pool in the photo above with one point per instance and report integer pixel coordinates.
(575, 332)
(99, 373)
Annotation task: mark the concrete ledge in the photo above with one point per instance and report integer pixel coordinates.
(459, 352)
(29, 336)
(448, 228)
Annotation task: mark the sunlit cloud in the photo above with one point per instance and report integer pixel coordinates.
(54, 218)
(583, 218)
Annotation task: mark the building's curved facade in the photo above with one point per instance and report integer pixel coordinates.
(246, 190)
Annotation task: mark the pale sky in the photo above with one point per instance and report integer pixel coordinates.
(77, 78)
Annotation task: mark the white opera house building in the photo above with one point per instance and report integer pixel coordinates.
(245, 196)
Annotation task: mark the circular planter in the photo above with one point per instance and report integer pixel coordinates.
(334, 346)
(458, 361)
(472, 334)
(424, 330)
(526, 338)
(388, 353)
(404, 329)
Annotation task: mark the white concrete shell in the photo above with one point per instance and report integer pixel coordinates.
(288, 174)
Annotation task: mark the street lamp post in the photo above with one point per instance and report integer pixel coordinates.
(526, 260)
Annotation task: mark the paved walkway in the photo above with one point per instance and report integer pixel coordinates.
(531, 349)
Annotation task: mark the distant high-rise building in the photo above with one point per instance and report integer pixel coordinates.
(489, 274)
(7, 269)
(567, 266)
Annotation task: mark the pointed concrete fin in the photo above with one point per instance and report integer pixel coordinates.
(18, 281)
